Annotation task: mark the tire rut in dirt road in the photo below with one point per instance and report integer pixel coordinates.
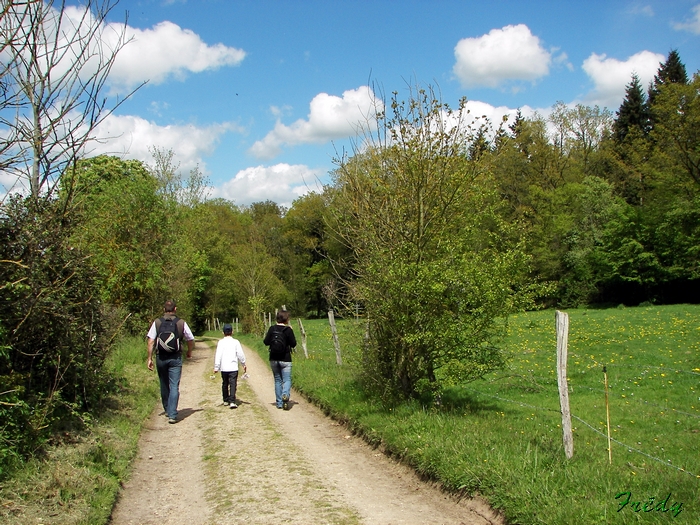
(167, 481)
(260, 465)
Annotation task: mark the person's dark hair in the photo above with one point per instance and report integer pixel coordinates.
(169, 306)
(228, 329)
(282, 316)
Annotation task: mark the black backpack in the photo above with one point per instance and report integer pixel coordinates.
(168, 335)
(278, 343)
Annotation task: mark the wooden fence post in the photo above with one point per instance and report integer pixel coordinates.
(562, 325)
(336, 343)
(303, 338)
(607, 414)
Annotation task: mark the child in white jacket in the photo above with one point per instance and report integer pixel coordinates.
(228, 353)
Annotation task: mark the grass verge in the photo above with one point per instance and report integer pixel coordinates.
(77, 480)
(501, 437)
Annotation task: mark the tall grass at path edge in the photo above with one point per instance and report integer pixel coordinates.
(501, 437)
(78, 479)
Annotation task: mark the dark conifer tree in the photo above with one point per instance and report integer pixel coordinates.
(516, 126)
(670, 72)
(633, 112)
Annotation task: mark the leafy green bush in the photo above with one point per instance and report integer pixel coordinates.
(53, 341)
(436, 269)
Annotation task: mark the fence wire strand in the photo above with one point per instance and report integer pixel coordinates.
(545, 382)
(629, 447)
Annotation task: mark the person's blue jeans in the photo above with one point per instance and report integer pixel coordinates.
(282, 371)
(169, 372)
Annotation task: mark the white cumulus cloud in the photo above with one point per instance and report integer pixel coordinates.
(281, 183)
(502, 55)
(610, 75)
(330, 117)
(155, 55)
(131, 137)
(692, 24)
(166, 51)
(495, 114)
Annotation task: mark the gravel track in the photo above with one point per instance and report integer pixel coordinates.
(261, 465)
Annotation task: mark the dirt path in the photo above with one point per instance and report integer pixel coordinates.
(260, 465)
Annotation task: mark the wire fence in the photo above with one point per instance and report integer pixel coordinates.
(630, 448)
(546, 382)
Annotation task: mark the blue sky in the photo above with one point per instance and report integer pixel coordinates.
(261, 94)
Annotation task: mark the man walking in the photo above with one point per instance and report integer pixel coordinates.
(165, 336)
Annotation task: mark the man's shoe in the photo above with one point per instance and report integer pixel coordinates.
(172, 420)
(285, 402)
(233, 405)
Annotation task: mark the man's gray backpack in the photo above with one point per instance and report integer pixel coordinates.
(168, 335)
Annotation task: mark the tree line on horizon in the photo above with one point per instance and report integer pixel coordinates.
(435, 229)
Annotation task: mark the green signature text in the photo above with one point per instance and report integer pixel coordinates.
(648, 505)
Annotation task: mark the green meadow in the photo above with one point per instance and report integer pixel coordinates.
(501, 437)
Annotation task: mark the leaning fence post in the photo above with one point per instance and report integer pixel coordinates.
(562, 326)
(303, 338)
(336, 343)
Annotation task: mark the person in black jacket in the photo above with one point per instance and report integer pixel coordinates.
(280, 338)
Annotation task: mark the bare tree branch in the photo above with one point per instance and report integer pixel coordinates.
(55, 71)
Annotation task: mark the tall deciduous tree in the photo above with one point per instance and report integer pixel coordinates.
(122, 225)
(257, 288)
(577, 133)
(56, 64)
(305, 236)
(436, 270)
(188, 270)
(677, 130)
(217, 227)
